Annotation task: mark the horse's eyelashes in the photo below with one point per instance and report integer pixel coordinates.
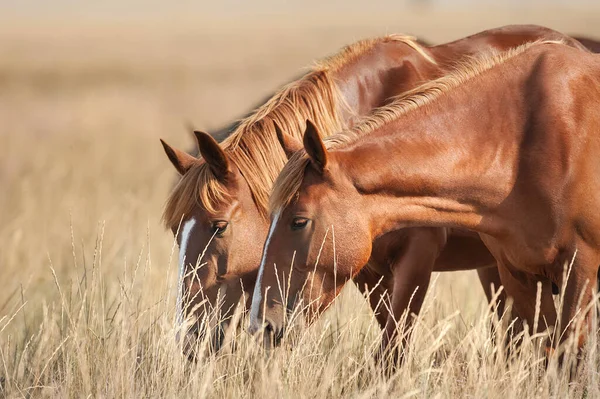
(299, 223)
(219, 227)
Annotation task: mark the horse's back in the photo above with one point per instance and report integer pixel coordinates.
(500, 39)
(590, 44)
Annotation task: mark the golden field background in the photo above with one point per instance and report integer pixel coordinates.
(86, 278)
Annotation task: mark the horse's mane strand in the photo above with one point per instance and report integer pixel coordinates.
(253, 147)
(287, 185)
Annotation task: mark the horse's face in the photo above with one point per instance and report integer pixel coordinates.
(219, 254)
(219, 250)
(315, 244)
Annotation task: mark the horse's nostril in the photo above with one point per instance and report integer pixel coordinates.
(269, 327)
(272, 333)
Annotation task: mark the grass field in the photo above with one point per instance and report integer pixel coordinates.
(87, 274)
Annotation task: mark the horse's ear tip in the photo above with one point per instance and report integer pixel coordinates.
(311, 127)
(166, 146)
(311, 133)
(202, 137)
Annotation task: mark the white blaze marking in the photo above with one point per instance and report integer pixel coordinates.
(185, 236)
(257, 295)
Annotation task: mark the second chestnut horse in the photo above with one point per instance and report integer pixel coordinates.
(519, 163)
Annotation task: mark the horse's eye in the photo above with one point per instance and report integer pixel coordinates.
(219, 227)
(299, 223)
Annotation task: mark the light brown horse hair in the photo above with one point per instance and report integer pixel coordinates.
(254, 148)
(354, 51)
(288, 183)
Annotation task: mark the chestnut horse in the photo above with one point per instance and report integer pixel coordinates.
(519, 163)
(222, 198)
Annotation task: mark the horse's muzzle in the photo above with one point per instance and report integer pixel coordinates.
(193, 340)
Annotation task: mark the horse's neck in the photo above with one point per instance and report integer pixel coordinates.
(440, 165)
(387, 70)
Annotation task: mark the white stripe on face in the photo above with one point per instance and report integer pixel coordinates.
(257, 299)
(185, 237)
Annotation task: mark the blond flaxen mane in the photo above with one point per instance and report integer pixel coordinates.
(288, 183)
(253, 147)
(354, 51)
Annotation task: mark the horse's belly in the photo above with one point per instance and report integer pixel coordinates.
(532, 258)
(463, 251)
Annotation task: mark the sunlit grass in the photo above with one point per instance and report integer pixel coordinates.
(115, 336)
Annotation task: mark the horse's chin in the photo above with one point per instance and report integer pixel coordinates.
(191, 344)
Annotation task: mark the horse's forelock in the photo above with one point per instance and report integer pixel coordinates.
(199, 187)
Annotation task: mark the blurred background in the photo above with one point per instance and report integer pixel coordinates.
(88, 88)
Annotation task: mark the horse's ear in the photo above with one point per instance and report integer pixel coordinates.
(181, 160)
(289, 144)
(315, 149)
(213, 154)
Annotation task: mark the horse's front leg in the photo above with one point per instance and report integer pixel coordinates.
(577, 311)
(523, 288)
(411, 273)
(491, 283)
(375, 288)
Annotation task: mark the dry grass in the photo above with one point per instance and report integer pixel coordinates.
(87, 298)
